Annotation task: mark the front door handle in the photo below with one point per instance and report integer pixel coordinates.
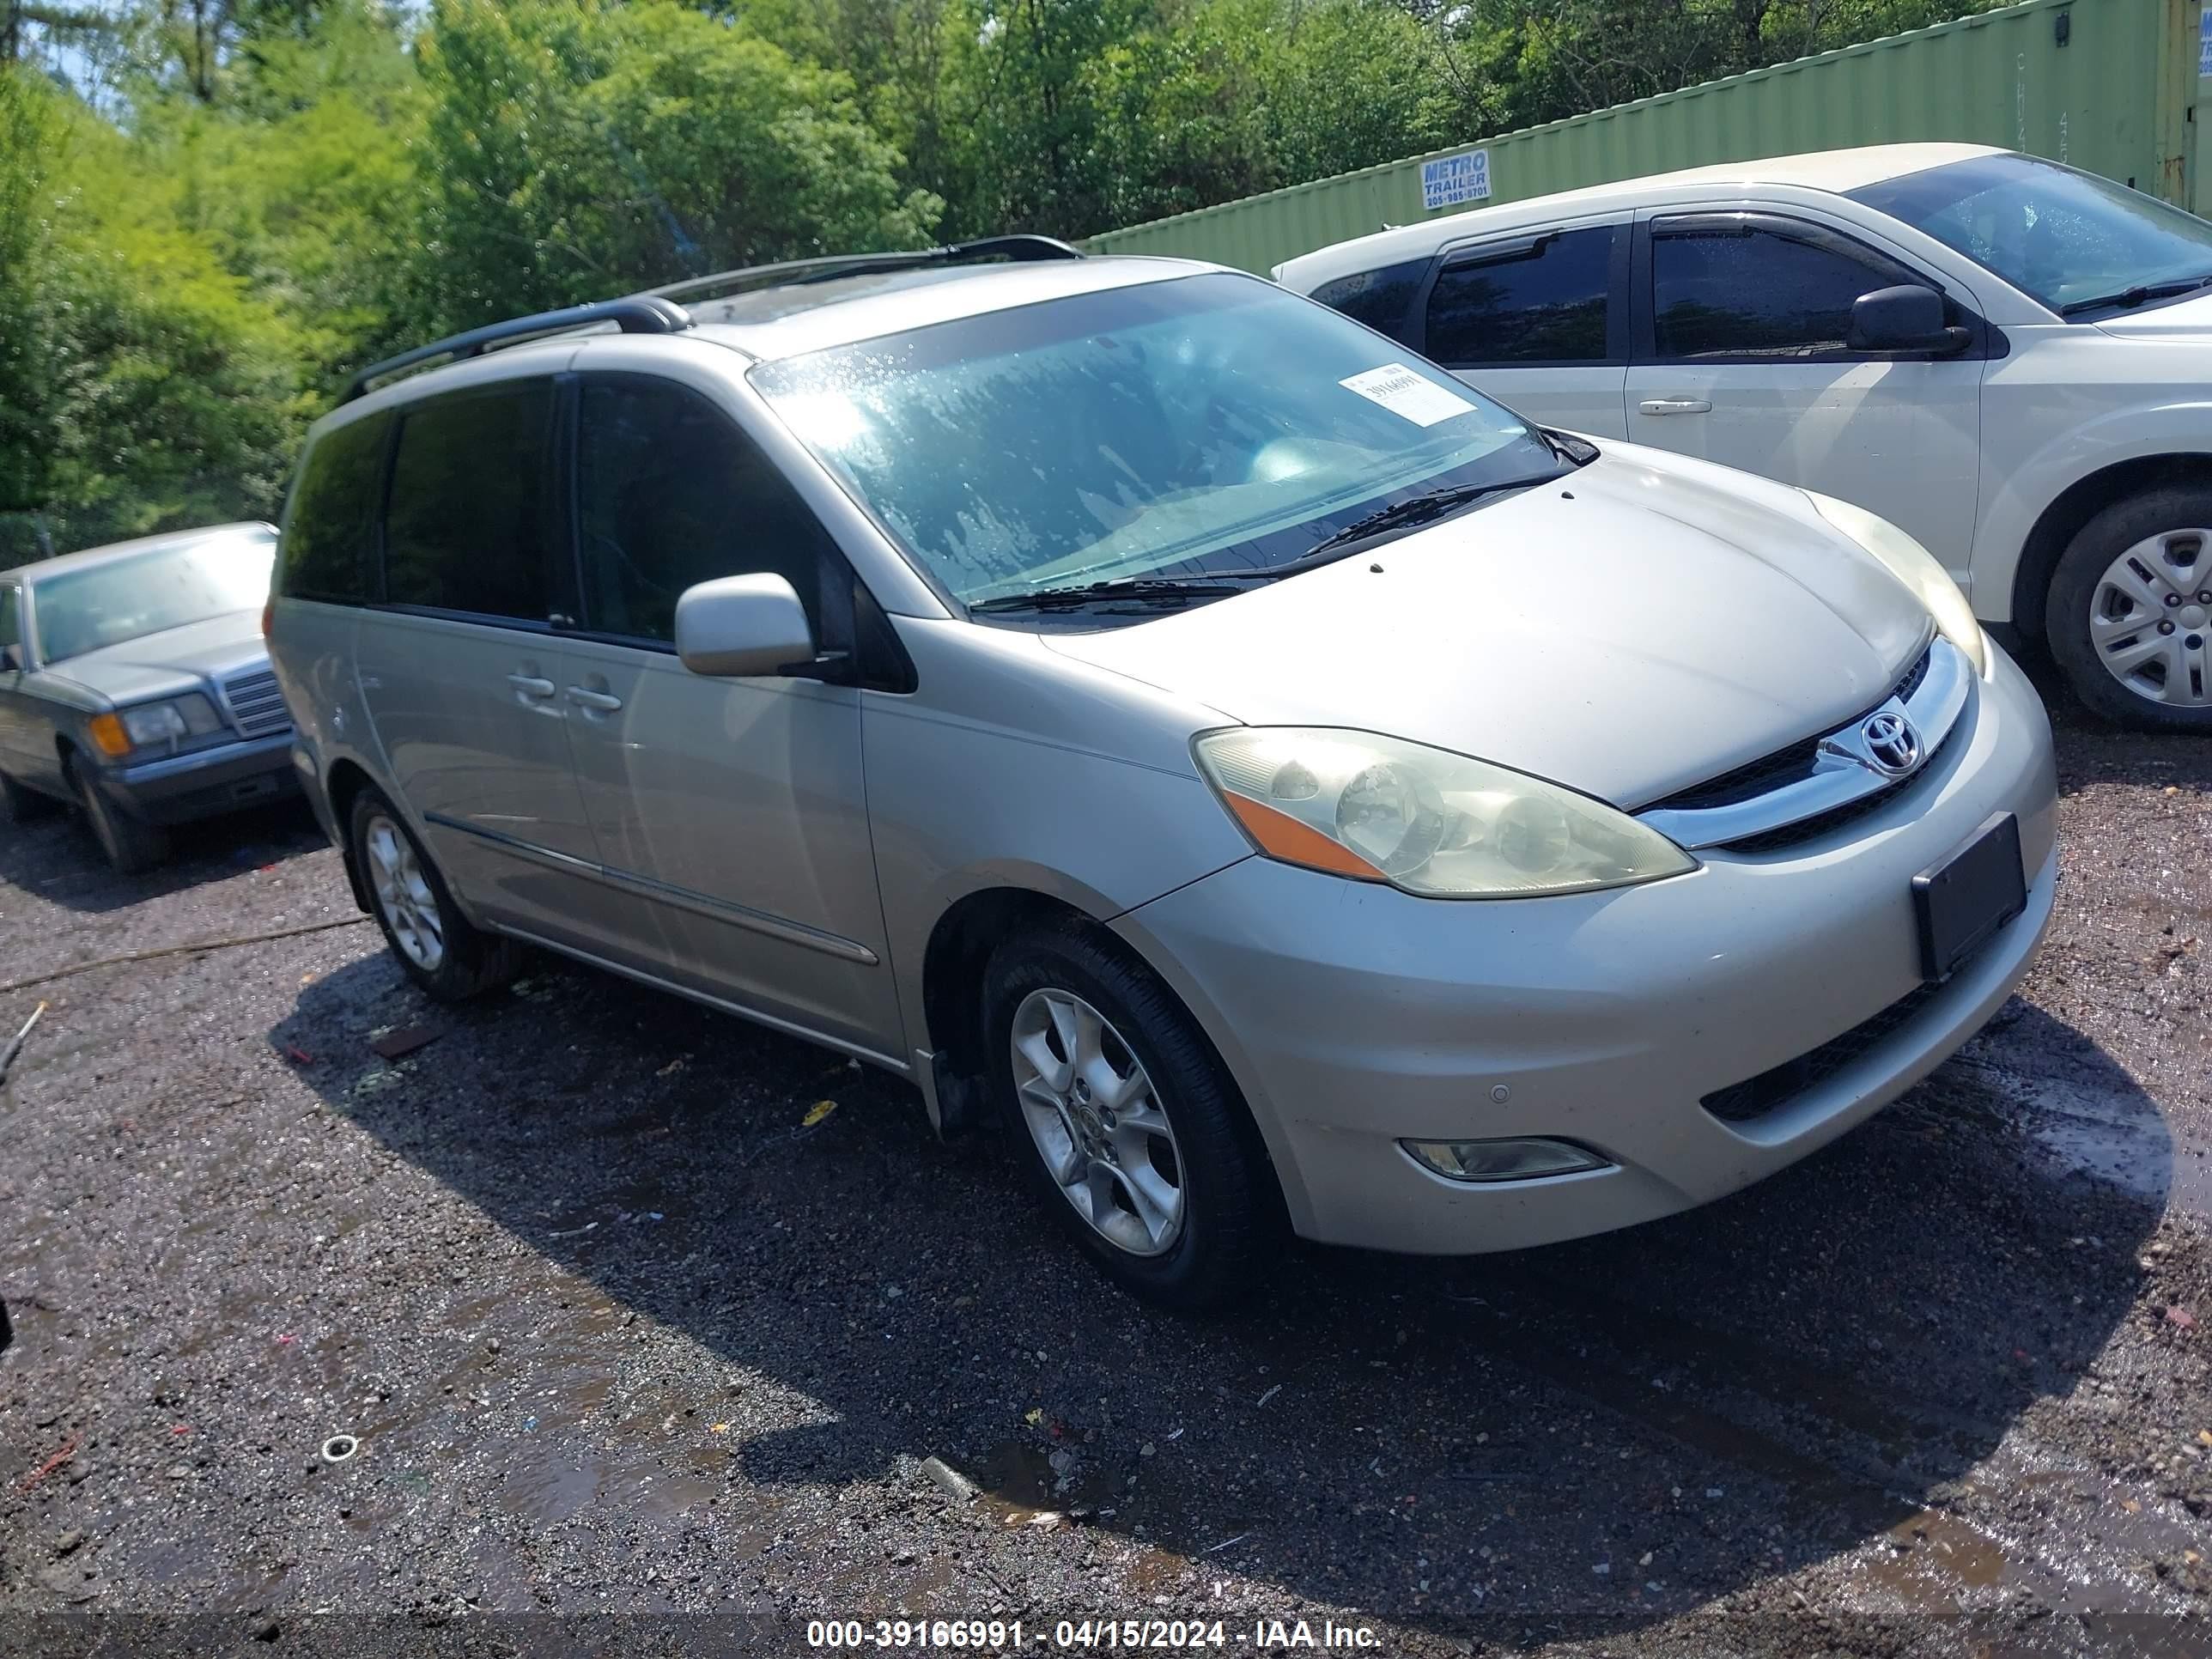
(1675, 406)
(586, 698)
(530, 685)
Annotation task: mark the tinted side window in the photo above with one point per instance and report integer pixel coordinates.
(11, 617)
(330, 540)
(1380, 299)
(1546, 304)
(1745, 292)
(470, 520)
(670, 494)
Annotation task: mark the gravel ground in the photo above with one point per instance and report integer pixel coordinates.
(624, 1340)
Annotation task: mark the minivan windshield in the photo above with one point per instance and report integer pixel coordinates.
(101, 604)
(2083, 246)
(1207, 430)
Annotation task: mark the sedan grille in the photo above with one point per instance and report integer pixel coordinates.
(257, 705)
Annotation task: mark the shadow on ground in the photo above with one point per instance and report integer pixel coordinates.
(1673, 1413)
(55, 858)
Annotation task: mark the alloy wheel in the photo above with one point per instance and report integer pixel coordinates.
(1097, 1124)
(403, 897)
(2150, 618)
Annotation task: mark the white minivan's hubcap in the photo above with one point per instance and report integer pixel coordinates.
(2150, 618)
(403, 897)
(1091, 1109)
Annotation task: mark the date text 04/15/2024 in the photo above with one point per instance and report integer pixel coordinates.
(1166, 1634)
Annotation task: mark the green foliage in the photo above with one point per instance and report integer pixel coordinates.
(574, 150)
(142, 385)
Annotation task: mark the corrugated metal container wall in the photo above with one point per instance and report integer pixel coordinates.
(2104, 84)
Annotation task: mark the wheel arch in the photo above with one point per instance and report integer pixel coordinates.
(343, 784)
(2062, 520)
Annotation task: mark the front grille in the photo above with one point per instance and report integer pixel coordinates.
(1784, 765)
(1775, 1087)
(1805, 829)
(256, 704)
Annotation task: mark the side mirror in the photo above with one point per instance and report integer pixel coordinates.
(736, 627)
(1907, 317)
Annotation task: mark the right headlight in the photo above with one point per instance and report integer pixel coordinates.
(1430, 822)
(189, 716)
(1916, 566)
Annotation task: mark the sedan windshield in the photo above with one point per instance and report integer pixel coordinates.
(103, 604)
(1208, 429)
(2083, 246)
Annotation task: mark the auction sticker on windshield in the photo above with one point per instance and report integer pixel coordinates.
(1403, 393)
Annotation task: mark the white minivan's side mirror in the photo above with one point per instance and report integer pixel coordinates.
(738, 626)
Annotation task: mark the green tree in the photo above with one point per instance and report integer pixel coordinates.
(576, 150)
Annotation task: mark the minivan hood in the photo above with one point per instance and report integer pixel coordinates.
(173, 661)
(1645, 623)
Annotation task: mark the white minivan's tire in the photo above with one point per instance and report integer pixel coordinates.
(2129, 612)
(1130, 1128)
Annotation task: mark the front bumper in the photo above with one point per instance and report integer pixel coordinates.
(179, 788)
(1353, 1015)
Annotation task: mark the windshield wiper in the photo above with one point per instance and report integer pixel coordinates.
(1149, 590)
(1409, 514)
(2128, 298)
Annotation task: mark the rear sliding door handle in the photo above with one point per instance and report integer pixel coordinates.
(1675, 406)
(587, 699)
(530, 685)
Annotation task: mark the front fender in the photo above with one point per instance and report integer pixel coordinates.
(2025, 490)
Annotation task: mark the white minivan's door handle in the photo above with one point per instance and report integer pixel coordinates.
(1675, 406)
(586, 698)
(530, 685)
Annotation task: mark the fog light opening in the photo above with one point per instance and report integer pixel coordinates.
(1526, 1158)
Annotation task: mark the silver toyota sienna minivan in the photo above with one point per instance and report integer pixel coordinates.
(1286, 789)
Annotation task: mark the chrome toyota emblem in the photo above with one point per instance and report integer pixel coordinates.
(1891, 743)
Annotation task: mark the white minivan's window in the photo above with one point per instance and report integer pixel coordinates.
(1213, 429)
(2080, 243)
(104, 604)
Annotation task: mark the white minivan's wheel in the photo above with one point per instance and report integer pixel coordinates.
(1131, 1130)
(2128, 616)
(436, 945)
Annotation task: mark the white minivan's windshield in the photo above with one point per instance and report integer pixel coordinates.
(104, 604)
(1210, 427)
(2082, 245)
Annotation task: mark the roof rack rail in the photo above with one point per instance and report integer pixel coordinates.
(1018, 249)
(640, 313)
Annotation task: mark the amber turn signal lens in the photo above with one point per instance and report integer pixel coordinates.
(268, 615)
(1282, 837)
(108, 733)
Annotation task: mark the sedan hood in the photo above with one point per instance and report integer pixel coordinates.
(174, 660)
(1642, 624)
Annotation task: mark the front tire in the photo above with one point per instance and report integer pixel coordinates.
(435, 944)
(1127, 1124)
(2129, 615)
(132, 846)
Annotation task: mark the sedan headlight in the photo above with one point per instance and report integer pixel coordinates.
(1916, 566)
(189, 716)
(1428, 820)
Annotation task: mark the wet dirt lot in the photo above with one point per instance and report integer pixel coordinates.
(623, 1341)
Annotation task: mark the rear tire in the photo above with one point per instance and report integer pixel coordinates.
(434, 944)
(2129, 613)
(20, 805)
(1148, 1132)
(132, 846)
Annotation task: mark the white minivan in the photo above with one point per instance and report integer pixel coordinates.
(2008, 358)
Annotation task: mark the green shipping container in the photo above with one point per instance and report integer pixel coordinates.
(2108, 85)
